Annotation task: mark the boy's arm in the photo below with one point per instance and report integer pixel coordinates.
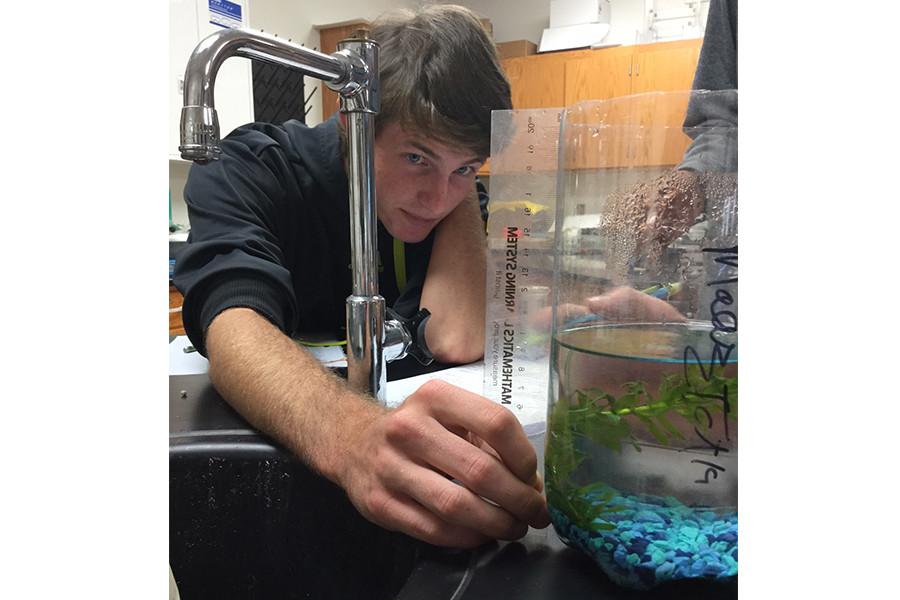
(454, 286)
(391, 463)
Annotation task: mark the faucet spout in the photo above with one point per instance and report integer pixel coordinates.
(199, 122)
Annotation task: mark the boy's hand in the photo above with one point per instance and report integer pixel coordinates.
(400, 467)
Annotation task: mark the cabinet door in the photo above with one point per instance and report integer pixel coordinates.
(601, 75)
(537, 81)
(665, 66)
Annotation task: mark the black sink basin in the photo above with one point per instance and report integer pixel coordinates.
(246, 520)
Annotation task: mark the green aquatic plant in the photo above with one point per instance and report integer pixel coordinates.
(610, 421)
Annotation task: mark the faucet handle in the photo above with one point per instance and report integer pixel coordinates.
(419, 348)
(413, 341)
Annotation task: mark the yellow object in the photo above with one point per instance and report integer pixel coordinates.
(400, 264)
(322, 344)
(514, 205)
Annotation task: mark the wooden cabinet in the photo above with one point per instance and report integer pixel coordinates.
(600, 75)
(665, 66)
(176, 327)
(560, 79)
(329, 36)
(563, 79)
(537, 81)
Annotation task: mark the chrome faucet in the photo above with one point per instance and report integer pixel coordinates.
(352, 71)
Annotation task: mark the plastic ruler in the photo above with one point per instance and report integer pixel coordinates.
(522, 208)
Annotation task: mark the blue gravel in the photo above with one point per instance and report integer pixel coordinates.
(655, 540)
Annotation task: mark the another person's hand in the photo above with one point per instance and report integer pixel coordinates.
(541, 320)
(619, 305)
(625, 304)
(398, 469)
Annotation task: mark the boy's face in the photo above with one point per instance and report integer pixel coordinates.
(419, 181)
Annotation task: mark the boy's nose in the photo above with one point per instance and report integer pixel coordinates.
(439, 194)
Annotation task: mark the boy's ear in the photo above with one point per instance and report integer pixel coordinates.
(343, 119)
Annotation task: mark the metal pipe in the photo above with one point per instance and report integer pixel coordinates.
(365, 308)
(363, 226)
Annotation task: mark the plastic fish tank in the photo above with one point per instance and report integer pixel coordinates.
(641, 461)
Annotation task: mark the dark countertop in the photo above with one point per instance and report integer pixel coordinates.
(539, 566)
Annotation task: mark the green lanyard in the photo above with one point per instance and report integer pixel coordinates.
(400, 264)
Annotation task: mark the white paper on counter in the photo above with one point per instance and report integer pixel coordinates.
(185, 363)
(469, 377)
(330, 356)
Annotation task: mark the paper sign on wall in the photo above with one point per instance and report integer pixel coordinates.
(225, 14)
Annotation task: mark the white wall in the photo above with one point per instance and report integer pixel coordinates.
(526, 19)
(519, 20)
(178, 171)
(346, 10)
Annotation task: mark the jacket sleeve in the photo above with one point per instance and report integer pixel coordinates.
(236, 206)
(711, 119)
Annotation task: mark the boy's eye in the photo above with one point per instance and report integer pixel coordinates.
(464, 170)
(414, 158)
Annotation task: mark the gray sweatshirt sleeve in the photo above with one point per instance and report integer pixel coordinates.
(711, 119)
